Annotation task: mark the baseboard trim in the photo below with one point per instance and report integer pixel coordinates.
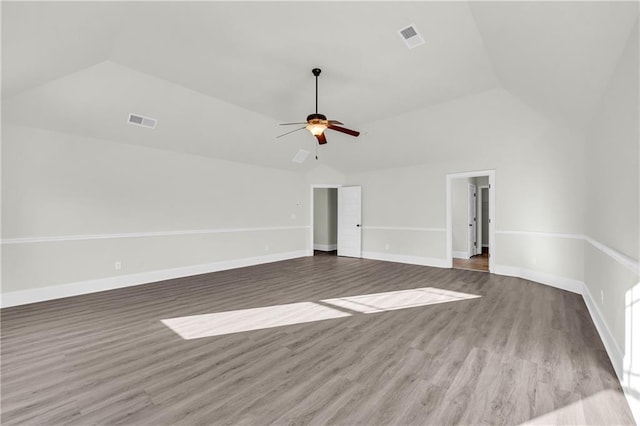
(412, 260)
(460, 255)
(568, 284)
(616, 355)
(325, 247)
(42, 294)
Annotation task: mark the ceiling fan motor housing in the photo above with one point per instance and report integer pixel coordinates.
(316, 118)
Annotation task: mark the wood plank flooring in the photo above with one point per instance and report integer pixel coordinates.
(477, 263)
(522, 352)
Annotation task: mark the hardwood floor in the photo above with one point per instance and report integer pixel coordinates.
(522, 352)
(476, 263)
(325, 253)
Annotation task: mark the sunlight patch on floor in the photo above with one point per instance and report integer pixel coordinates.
(574, 413)
(221, 323)
(394, 300)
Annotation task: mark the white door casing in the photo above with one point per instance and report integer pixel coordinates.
(349, 217)
(311, 211)
(493, 246)
(473, 231)
(480, 224)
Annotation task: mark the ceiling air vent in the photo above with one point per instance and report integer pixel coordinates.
(138, 120)
(411, 36)
(301, 156)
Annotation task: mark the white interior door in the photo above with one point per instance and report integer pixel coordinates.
(349, 216)
(473, 230)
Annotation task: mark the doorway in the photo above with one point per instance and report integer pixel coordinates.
(470, 220)
(483, 218)
(325, 221)
(336, 220)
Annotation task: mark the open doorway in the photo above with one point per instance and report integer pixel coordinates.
(470, 207)
(483, 218)
(325, 221)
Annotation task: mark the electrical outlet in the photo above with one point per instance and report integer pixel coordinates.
(387, 246)
(293, 216)
(266, 247)
(118, 265)
(602, 297)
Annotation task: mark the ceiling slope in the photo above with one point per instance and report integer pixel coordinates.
(95, 102)
(220, 76)
(260, 55)
(556, 56)
(42, 41)
(490, 124)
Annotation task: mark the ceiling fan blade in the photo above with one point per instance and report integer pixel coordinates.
(285, 134)
(321, 139)
(291, 124)
(334, 122)
(343, 130)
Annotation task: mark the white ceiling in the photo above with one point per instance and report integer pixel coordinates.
(220, 76)
(556, 56)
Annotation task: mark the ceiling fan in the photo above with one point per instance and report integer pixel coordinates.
(318, 123)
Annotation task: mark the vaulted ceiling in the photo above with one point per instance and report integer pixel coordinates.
(221, 76)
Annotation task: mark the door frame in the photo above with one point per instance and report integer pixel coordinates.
(492, 213)
(472, 219)
(479, 214)
(312, 188)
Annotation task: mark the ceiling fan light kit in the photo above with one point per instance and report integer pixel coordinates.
(318, 123)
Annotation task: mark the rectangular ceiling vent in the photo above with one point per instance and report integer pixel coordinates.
(411, 36)
(301, 156)
(138, 120)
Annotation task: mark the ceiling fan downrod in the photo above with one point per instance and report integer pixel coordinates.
(316, 72)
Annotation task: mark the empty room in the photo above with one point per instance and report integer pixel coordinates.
(340, 213)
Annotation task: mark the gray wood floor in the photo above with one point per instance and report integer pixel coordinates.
(522, 352)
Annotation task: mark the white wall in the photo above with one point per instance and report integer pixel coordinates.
(481, 181)
(613, 218)
(67, 201)
(325, 218)
(539, 186)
